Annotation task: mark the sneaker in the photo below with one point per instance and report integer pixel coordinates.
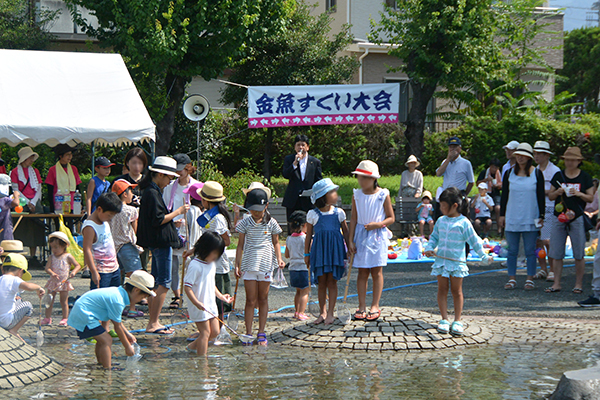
(457, 328)
(590, 302)
(86, 274)
(92, 340)
(46, 322)
(443, 327)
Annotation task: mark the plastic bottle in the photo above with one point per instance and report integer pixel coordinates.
(77, 203)
(66, 204)
(58, 199)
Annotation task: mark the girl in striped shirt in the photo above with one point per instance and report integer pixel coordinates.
(258, 254)
(450, 234)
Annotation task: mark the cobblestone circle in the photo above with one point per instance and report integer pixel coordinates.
(397, 329)
(22, 364)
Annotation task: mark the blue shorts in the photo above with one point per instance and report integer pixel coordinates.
(299, 279)
(426, 220)
(108, 280)
(161, 266)
(129, 258)
(88, 333)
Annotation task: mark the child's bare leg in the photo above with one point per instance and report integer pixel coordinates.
(49, 309)
(263, 305)
(421, 227)
(377, 275)
(105, 325)
(103, 352)
(431, 224)
(333, 291)
(64, 304)
(297, 301)
(477, 225)
(15, 329)
(487, 227)
(322, 294)
(442, 296)
(361, 288)
(215, 328)
(457, 296)
(251, 300)
(201, 343)
(303, 300)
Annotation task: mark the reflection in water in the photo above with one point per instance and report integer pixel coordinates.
(166, 370)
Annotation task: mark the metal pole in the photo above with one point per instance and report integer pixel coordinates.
(199, 167)
(93, 156)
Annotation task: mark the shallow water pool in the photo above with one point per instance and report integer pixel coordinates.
(167, 371)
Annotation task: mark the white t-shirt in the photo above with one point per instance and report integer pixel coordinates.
(484, 210)
(200, 277)
(219, 225)
(313, 216)
(9, 287)
(194, 230)
(174, 198)
(295, 247)
(548, 174)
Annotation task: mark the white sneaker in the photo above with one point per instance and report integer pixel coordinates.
(457, 328)
(443, 326)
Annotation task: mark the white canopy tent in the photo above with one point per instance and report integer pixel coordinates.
(57, 97)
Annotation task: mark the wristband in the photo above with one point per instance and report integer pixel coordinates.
(306, 254)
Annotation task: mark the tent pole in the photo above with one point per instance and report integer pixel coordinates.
(93, 156)
(152, 151)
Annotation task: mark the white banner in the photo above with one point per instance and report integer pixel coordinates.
(276, 106)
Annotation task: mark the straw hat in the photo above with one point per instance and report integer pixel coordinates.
(427, 194)
(12, 246)
(412, 158)
(121, 185)
(542, 147)
(165, 165)
(17, 260)
(257, 185)
(60, 236)
(367, 168)
(194, 190)
(573, 153)
(321, 188)
(211, 191)
(141, 280)
(524, 149)
(27, 152)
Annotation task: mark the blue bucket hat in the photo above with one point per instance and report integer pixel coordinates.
(321, 188)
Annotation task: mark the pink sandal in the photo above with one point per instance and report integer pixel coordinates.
(46, 322)
(63, 322)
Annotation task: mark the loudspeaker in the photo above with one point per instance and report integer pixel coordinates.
(196, 107)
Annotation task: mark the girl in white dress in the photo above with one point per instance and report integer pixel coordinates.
(372, 213)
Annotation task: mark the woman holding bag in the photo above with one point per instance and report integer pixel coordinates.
(571, 189)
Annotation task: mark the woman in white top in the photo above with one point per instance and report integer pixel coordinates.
(174, 197)
(411, 182)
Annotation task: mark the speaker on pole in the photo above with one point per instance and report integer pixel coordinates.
(196, 108)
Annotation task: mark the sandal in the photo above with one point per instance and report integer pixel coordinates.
(175, 303)
(46, 322)
(63, 322)
(551, 290)
(134, 314)
(529, 285)
(373, 316)
(541, 275)
(550, 277)
(578, 290)
(360, 315)
(510, 285)
(262, 339)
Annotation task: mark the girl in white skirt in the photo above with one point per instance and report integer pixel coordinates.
(372, 213)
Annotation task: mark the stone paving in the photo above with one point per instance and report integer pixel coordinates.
(22, 364)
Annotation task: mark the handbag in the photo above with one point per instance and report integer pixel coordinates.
(587, 221)
(279, 281)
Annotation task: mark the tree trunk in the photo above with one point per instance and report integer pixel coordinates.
(165, 127)
(267, 154)
(415, 123)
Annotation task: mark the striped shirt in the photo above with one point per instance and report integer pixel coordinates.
(449, 236)
(120, 226)
(259, 253)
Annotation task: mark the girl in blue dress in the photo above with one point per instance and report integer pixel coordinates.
(325, 252)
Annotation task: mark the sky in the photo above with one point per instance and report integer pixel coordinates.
(575, 12)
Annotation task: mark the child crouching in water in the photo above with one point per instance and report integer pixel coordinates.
(107, 304)
(201, 290)
(450, 234)
(294, 251)
(325, 253)
(59, 268)
(258, 254)
(14, 313)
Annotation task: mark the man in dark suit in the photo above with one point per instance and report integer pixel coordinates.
(302, 171)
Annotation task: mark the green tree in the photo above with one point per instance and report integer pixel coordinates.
(303, 53)
(21, 27)
(167, 42)
(582, 66)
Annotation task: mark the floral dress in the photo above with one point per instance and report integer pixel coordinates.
(60, 266)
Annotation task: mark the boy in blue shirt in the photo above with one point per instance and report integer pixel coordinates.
(107, 304)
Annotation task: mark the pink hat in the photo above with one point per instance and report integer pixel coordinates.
(193, 190)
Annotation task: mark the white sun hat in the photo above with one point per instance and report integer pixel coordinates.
(367, 168)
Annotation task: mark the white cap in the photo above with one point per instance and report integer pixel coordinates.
(482, 185)
(512, 145)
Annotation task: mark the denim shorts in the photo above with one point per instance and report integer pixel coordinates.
(299, 279)
(162, 259)
(88, 333)
(107, 280)
(129, 258)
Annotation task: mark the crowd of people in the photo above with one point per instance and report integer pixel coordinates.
(162, 211)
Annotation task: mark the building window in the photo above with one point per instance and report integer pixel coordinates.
(330, 5)
(393, 4)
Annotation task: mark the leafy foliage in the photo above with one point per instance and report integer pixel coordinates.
(23, 27)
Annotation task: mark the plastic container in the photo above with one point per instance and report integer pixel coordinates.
(77, 202)
(58, 200)
(66, 203)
